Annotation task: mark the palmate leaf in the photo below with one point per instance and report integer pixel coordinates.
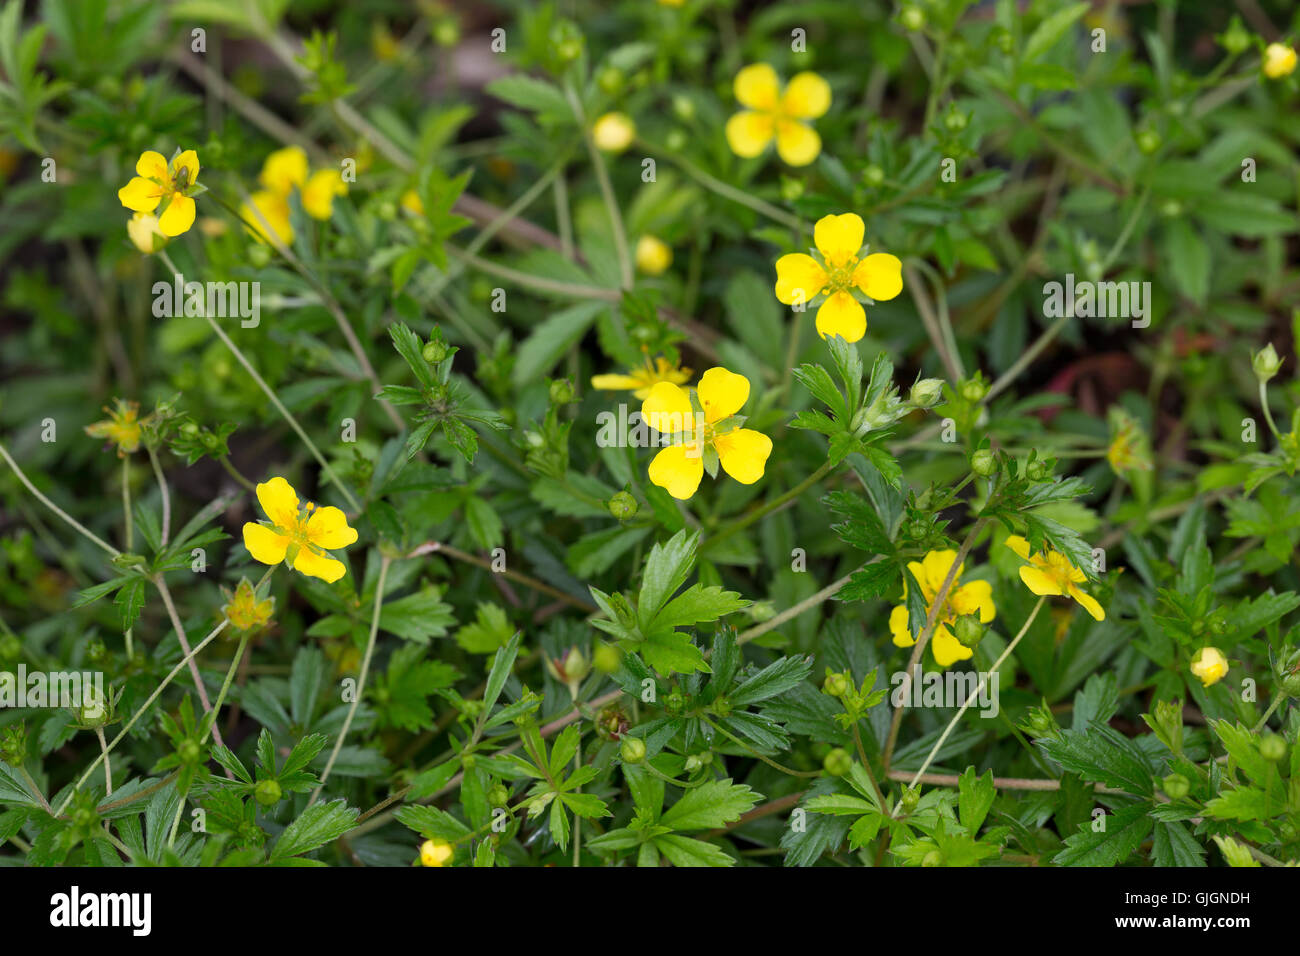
(1125, 829)
(1103, 756)
(318, 825)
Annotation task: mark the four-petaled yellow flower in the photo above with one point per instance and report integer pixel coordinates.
(244, 611)
(1279, 61)
(973, 598)
(435, 853)
(1130, 449)
(639, 381)
(284, 171)
(653, 255)
(774, 114)
(300, 538)
(704, 438)
(170, 185)
(1209, 665)
(1053, 574)
(122, 427)
(801, 278)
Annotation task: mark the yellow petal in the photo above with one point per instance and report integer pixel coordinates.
(615, 383)
(189, 162)
(947, 649)
(264, 544)
(722, 393)
(320, 566)
(328, 528)
(140, 195)
(279, 501)
(284, 169)
(1088, 603)
(318, 195)
(935, 566)
(668, 409)
(677, 471)
(977, 596)
(274, 209)
(152, 165)
(797, 143)
(757, 87)
(898, 627)
(839, 238)
(142, 228)
(743, 453)
(842, 315)
(1039, 581)
(748, 134)
(1019, 545)
(177, 217)
(798, 277)
(807, 97)
(880, 276)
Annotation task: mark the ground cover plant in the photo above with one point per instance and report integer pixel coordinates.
(695, 433)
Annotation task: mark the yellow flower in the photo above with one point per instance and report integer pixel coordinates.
(801, 278)
(714, 438)
(653, 255)
(284, 169)
(244, 611)
(1279, 61)
(774, 114)
(435, 853)
(639, 381)
(274, 209)
(613, 132)
(412, 202)
(142, 227)
(300, 538)
(1209, 665)
(319, 192)
(973, 598)
(121, 428)
(171, 185)
(1052, 573)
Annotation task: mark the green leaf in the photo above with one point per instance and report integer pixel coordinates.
(686, 851)
(672, 652)
(666, 569)
(531, 93)
(1102, 756)
(1052, 29)
(1172, 845)
(710, 805)
(318, 825)
(1189, 260)
(697, 605)
(552, 339)
(418, 617)
(502, 666)
(975, 796)
(129, 601)
(1125, 829)
(775, 679)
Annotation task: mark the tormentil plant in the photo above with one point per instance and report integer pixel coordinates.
(370, 579)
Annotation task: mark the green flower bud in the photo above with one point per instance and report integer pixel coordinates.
(622, 506)
(873, 175)
(189, 751)
(1037, 471)
(1272, 747)
(955, 121)
(13, 744)
(675, 140)
(611, 80)
(683, 108)
(1265, 363)
(562, 391)
(568, 40)
(837, 762)
(984, 463)
(791, 188)
(446, 33)
(268, 793)
(973, 389)
(674, 703)
(1235, 39)
(695, 761)
(926, 393)
(11, 649)
(912, 18)
(1286, 672)
(499, 795)
(1148, 141)
(1171, 208)
(632, 750)
(968, 630)
(933, 858)
(434, 351)
(837, 685)
(259, 255)
(911, 797)
(1175, 786)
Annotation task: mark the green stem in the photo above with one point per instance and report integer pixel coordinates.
(726, 190)
(606, 192)
(767, 760)
(166, 498)
(361, 680)
(138, 714)
(71, 521)
(185, 646)
(225, 686)
(1272, 709)
(126, 500)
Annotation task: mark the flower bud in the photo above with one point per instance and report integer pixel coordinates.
(622, 506)
(434, 351)
(606, 658)
(912, 18)
(926, 393)
(632, 750)
(13, 744)
(561, 391)
(1038, 470)
(973, 389)
(1209, 665)
(268, 793)
(435, 853)
(933, 858)
(1148, 141)
(1175, 786)
(968, 630)
(984, 463)
(837, 685)
(1279, 61)
(1265, 363)
(653, 255)
(613, 132)
(873, 175)
(611, 80)
(1272, 747)
(911, 797)
(1236, 38)
(837, 762)
(499, 795)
